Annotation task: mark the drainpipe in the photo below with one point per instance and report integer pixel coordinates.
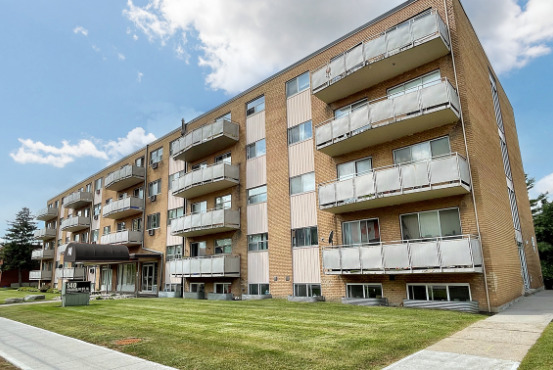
(468, 159)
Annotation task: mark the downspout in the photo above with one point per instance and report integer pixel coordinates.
(468, 159)
(138, 280)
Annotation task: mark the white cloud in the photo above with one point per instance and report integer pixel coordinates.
(240, 42)
(543, 185)
(95, 48)
(80, 29)
(139, 76)
(135, 37)
(121, 56)
(37, 152)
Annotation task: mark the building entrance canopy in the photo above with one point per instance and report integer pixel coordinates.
(86, 253)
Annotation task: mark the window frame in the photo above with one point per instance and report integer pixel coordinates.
(156, 156)
(308, 235)
(252, 105)
(303, 183)
(429, 142)
(417, 87)
(356, 173)
(226, 202)
(157, 183)
(151, 218)
(447, 285)
(300, 129)
(224, 246)
(227, 287)
(369, 242)
(308, 289)
(264, 241)
(365, 285)
(439, 224)
(295, 81)
(255, 150)
(255, 196)
(259, 289)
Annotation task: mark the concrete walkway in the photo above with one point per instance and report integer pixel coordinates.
(498, 342)
(32, 348)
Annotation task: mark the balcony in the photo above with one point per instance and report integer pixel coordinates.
(71, 273)
(125, 177)
(123, 208)
(78, 199)
(206, 180)
(402, 48)
(210, 222)
(441, 255)
(40, 275)
(47, 214)
(206, 140)
(125, 237)
(205, 266)
(398, 184)
(42, 254)
(75, 223)
(389, 118)
(45, 234)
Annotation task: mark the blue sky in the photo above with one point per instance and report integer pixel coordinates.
(84, 83)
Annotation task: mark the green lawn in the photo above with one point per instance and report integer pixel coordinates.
(14, 293)
(540, 355)
(5, 365)
(273, 333)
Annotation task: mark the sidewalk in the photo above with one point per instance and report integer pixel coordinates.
(32, 348)
(498, 342)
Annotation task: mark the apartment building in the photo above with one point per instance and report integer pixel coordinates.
(383, 169)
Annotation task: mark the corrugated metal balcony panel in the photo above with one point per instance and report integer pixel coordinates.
(45, 234)
(125, 237)
(40, 275)
(42, 254)
(442, 255)
(125, 177)
(206, 140)
(206, 180)
(211, 222)
(78, 199)
(389, 118)
(123, 208)
(47, 214)
(71, 273)
(75, 223)
(440, 177)
(36, 254)
(411, 44)
(205, 266)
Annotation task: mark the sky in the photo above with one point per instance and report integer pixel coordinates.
(84, 83)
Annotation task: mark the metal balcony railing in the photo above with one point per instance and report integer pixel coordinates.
(78, 199)
(205, 266)
(206, 180)
(209, 222)
(70, 273)
(125, 177)
(39, 254)
(123, 207)
(47, 214)
(40, 275)
(45, 233)
(126, 237)
(75, 223)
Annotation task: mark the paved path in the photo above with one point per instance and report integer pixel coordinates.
(32, 348)
(498, 342)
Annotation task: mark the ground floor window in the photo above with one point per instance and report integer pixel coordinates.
(258, 289)
(439, 292)
(307, 290)
(364, 290)
(221, 288)
(197, 287)
(126, 276)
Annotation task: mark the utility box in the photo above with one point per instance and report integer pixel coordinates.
(75, 293)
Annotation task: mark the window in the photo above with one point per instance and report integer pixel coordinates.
(223, 246)
(137, 224)
(174, 252)
(95, 235)
(439, 292)
(197, 287)
(121, 226)
(257, 195)
(360, 232)
(364, 291)
(255, 106)
(156, 156)
(344, 111)
(122, 196)
(297, 84)
(154, 188)
(108, 201)
(256, 149)
(197, 166)
(305, 237)
(138, 193)
(173, 177)
(198, 249)
(107, 230)
(223, 202)
(174, 213)
(301, 132)
(221, 288)
(354, 168)
(199, 207)
(171, 147)
(152, 221)
(431, 224)
(226, 117)
(98, 184)
(422, 151)
(86, 212)
(88, 188)
(258, 289)
(225, 158)
(307, 290)
(139, 162)
(302, 183)
(97, 209)
(258, 242)
(429, 79)
(56, 204)
(84, 237)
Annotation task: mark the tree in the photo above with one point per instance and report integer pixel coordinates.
(19, 244)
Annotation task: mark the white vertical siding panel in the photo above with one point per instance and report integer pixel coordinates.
(255, 127)
(174, 202)
(172, 240)
(258, 267)
(175, 166)
(98, 196)
(257, 219)
(303, 210)
(299, 108)
(306, 265)
(256, 172)
(300, 157)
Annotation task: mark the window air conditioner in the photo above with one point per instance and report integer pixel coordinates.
(151, 232)
(95, 217)
(154, 165)
(97, 191)
(153, 198)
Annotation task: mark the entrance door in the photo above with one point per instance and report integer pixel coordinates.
(149, 283)
(106, 280)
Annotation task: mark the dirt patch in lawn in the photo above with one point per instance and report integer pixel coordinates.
(127, 341)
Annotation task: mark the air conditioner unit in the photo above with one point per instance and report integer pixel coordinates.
(154, 165)
(97, 191)
(95, 217)
(93, 242)
(153, 198)
(151, 232)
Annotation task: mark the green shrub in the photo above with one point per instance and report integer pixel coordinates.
(28, 289)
